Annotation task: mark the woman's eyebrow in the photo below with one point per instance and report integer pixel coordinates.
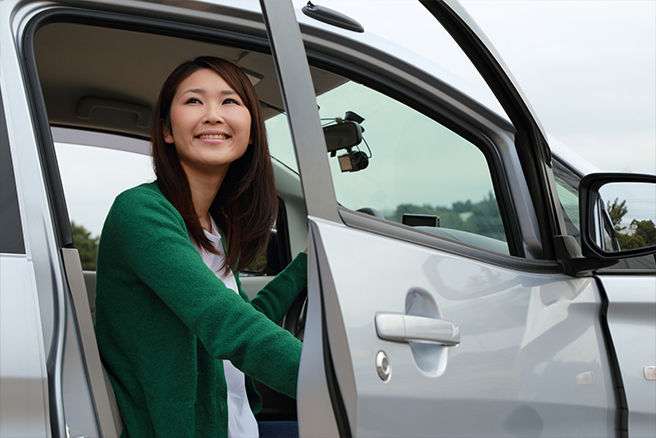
(202, 91)
(194, 90)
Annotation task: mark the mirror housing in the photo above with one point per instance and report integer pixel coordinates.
(342, 135)
(604, 233)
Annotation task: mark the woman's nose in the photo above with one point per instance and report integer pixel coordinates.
(213, 114)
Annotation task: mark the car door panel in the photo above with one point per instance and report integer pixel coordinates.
(22, 362)
(514, 372)
(321, 409)
(632, 323)
(532, 358)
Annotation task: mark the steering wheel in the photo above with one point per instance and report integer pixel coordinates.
(371, 211)
(294, 321)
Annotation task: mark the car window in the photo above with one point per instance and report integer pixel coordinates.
(92, 177)
(418, 172)
(567, 186)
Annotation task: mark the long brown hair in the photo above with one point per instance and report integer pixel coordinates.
(246, 205)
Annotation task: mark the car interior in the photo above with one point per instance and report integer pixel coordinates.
(100, 84)
(100, 78)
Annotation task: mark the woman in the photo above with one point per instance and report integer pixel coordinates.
(174, 334)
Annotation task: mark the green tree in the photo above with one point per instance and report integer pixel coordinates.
(462, 207)
(627, 241)
(616, 211)
(644, 230)
(481, 218)
(448, 218)
(486, 219)
(86, 245)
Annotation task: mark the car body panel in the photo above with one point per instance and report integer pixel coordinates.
(24, 395)
(632, 323)
(41, 242)
(513, 371)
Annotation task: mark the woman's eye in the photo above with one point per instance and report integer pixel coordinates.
(193, 100)
(230, 100)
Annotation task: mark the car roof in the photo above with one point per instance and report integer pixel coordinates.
(108, 79)
(104, 78)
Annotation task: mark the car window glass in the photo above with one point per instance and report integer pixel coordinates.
(280, 141)
(92, 177)
(567, 186)
(418, 172)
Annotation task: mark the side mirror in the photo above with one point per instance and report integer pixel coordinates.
(618, 215)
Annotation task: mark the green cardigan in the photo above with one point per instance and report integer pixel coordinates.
(165, 322)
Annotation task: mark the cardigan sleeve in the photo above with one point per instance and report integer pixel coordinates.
(150, 237)
(275, 299)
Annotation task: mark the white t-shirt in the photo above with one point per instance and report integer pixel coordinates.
(241, 421)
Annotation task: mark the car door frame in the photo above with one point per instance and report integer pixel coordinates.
(48, 236)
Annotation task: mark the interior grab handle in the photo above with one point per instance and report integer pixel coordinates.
(410, 328)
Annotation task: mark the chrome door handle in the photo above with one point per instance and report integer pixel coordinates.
(410, 328)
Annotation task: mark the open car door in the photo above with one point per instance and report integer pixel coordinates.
(413, 334)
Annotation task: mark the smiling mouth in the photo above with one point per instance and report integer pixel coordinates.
(213, 137)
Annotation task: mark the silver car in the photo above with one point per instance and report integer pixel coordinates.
(468, 275)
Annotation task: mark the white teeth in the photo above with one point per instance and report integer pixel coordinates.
(213, 136)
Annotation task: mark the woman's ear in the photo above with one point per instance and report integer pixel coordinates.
(166, 132)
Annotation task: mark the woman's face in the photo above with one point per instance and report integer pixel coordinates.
(210, 125)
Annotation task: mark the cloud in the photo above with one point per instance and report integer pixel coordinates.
(589, 70)
(587, 67)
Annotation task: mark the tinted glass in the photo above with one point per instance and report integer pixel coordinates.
(417, 171)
